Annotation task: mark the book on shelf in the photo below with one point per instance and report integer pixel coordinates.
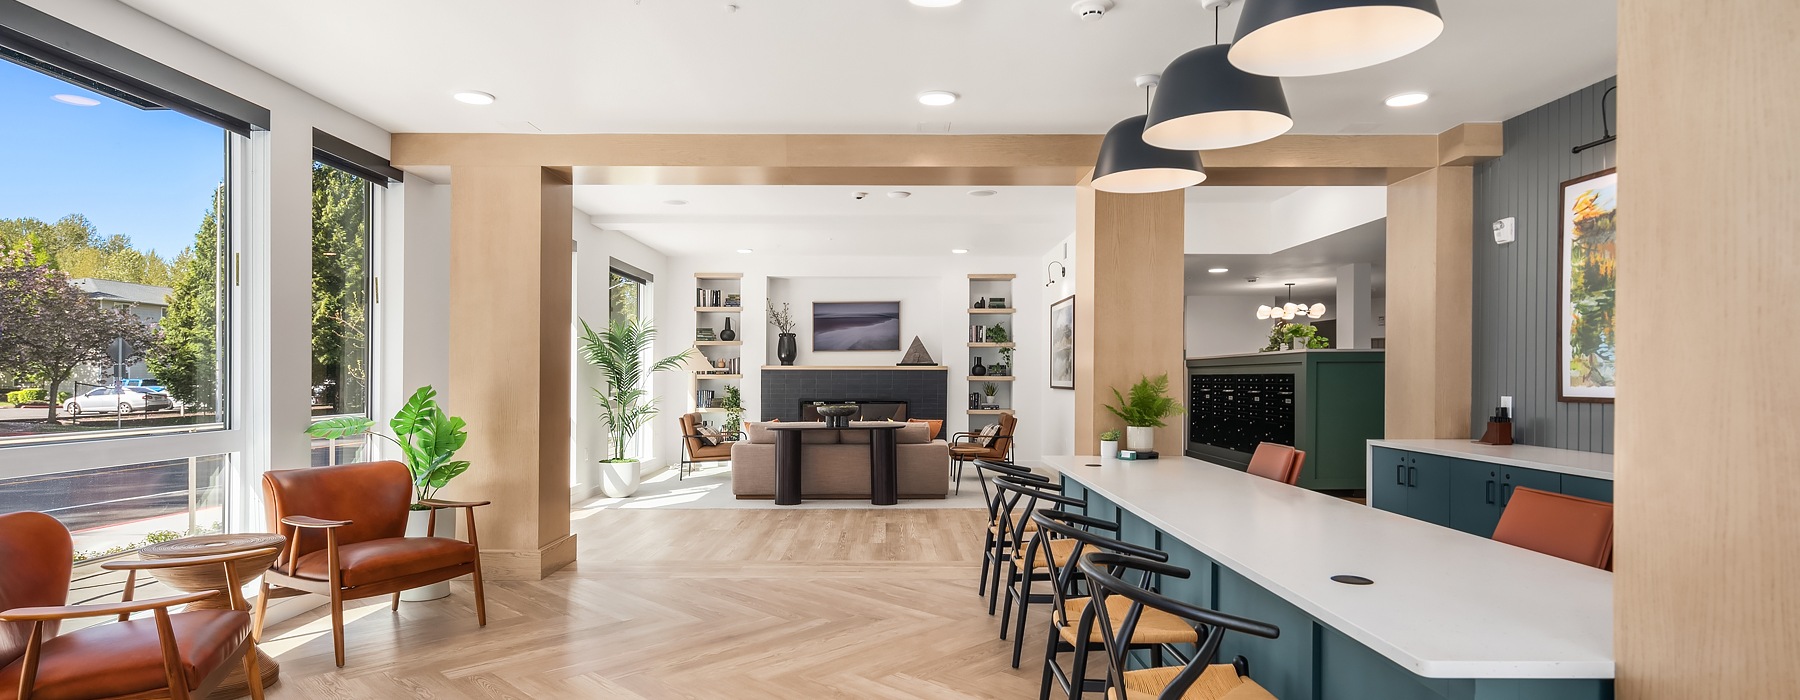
(705, 334)
(734, 301)
(704, 398)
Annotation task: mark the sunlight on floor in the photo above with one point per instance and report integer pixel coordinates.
(321, 627)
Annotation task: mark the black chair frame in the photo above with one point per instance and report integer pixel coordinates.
(1103, 572)
(687, 463)
(956, 465)
(1067, 584)
(1021, 571)
(995, 543)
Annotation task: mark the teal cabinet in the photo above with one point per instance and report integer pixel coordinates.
(1412, 484)
(1387, 477)
(1474, 497)
(1463, 494)
(1584, 487)
(1514, 477)
(1328, 403)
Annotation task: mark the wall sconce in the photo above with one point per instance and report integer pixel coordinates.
(1051, 273)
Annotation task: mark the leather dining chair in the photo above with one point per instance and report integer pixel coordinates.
(346, 539)
(1576, 529)
(1277, 462)
(177, 655)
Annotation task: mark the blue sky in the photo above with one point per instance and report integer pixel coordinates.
(145, 174)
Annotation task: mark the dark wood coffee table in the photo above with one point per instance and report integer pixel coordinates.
(884, 480)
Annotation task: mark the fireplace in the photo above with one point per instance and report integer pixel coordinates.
(921, 392)
(866, 410)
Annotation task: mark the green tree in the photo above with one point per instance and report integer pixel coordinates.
(50, 327)
(75, 246)
(187, 359)
(340, 292)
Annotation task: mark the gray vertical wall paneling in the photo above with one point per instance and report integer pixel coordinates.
(1515, 299)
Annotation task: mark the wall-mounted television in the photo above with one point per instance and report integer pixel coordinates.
(856, 325)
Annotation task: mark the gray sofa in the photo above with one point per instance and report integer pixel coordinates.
(835, 464)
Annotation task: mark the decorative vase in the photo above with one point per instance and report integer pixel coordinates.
(619, 479)
(786, 348)
(979, 369)
(416, 520)
(1109, 449)
(728, 334)
(1140, 437)
(982, 304)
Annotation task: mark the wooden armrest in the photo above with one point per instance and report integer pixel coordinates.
(308, 522)
(69, 612)
(146, 564)
(434, 503)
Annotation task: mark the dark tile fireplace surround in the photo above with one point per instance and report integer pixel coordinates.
(924, 391)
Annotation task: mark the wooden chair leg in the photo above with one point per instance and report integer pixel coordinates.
(262, 610)
(396, 606)
(337, 627)
(253, 671)
(480, 597)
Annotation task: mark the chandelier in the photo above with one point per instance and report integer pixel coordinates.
(1290, 310)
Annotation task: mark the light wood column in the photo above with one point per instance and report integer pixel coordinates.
(1430, 234)
(510, 360)
(1128, 307)
(1707, 582)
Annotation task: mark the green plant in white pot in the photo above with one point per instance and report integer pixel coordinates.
(1144, 410)
(1109, 444)
(626, 405)
(428, 436)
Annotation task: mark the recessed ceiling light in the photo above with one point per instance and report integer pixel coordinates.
(1407, 99)
(745, 251)
(1217, 270)
(936, 3)
(474, 97)
(899, 194)
(982, 193)
(959, 251)
(936, 98)
(674, 202)
(76, 100)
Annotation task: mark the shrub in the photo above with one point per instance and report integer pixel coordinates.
(25, 395)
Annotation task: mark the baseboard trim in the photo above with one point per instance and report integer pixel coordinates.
(528, 564)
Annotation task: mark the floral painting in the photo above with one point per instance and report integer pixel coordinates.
(1590, 247)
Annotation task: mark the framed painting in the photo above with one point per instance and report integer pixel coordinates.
(856, 325)
(1586, 330)
(1062, 344)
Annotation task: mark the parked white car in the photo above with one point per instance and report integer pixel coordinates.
(131, 399)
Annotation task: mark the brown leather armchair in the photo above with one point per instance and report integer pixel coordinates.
(968, 447)
(171, 655)
(695, 450)
(346, 532)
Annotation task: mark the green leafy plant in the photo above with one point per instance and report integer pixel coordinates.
(428, 436)
(25, 395)
(734, 409)
(989, 389)
(1110, 436)
(998, 334)
(1006, 355)
(1296, 336)
(625, 402)
(1148, 404)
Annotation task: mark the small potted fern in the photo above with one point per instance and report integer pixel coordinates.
(1109, 444)
(1144, 411)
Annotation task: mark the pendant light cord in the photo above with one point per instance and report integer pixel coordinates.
(1215, 25)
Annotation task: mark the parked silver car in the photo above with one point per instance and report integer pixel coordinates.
(131, 399)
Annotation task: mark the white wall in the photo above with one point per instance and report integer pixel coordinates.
(1260, 228)
(1225, 325)
(595, 251)
(413, 315)
(1058, 435)
(934, 295)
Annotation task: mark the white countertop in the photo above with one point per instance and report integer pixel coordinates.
(1594, 465)
(1445, 604)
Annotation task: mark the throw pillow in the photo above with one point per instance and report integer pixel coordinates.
(710, 437)
(937, 426)
(988, 434)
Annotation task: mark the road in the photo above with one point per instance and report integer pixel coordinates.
(99, 497)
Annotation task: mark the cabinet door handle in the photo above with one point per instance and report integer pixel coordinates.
(1490, 492)
(1505, 494)
(1412, 474)
(1399, 475)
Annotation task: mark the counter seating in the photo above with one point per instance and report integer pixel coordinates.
(1576, 529)
(1277, 462)
(835, 463)
(1039, 557)
(997, 545)
(1118, 622)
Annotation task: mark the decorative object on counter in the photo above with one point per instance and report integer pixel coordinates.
(1500, 426)
(845, 326)
(625, 406)
(1138, 454)
(981, 303)
(1109, 444)
(979, 369)
(786, 347)
(1144, 411)
(1294, 336)
(1589, 255)
(728, 334)
(1062, 344)
(837, 415)
(916, 356)
(1290, 310)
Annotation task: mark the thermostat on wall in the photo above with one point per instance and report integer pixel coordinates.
(1503, 231)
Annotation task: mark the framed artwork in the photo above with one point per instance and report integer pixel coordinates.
(856, 325)
(1589, 255)
(1062, 344)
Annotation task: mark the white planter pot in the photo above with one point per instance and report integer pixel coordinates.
(1140, 437)
(416, 521)
(1109, 449)
(619, 479)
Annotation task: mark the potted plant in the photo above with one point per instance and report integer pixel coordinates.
(1109, 444)
(786, 348)
(625, 402)
(428, 436)
(1295, 336)
(734, 409)
(1006, 365)
(989, 389)
(1144, 411)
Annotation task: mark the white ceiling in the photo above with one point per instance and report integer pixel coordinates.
(809, 66)
(1311, 266)
(821, 220)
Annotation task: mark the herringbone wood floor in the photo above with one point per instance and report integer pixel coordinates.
(695, 604)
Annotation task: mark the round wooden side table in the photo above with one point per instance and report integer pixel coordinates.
(211, 577)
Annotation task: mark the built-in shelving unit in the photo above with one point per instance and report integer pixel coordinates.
(991, 307)
(717, 306)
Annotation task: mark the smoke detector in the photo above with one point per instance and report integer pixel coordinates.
(1214, 4)
(1091, 10)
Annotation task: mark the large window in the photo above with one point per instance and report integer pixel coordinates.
(343, 288)
(625, 296)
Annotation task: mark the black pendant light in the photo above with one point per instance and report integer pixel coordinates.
(1127, 165)
(1293, 38)
(1205, 102)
